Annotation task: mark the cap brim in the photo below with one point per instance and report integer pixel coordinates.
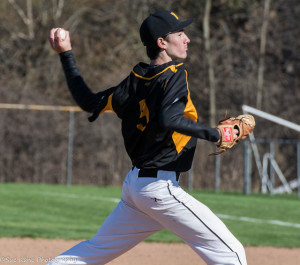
(184, 24)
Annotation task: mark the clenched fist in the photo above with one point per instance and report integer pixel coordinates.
(58, 43)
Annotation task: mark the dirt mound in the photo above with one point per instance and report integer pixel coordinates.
(40, 251)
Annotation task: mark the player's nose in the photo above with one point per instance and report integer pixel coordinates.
(186, 39)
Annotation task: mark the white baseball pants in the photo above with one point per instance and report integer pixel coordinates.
(147, 206)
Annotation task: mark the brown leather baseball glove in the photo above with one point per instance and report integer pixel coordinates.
(243, 123)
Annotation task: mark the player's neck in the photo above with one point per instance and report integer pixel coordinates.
(162, 58)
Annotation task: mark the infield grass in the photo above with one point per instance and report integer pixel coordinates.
(56, 211)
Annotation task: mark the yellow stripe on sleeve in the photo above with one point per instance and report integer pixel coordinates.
(108, 106)
(180, 140)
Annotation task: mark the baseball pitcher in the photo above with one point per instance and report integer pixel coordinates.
(160, 128)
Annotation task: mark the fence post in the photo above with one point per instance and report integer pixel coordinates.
(247, 167)
(218, 165)
(70, 148)
(191, 177)
(298, 167)
(272, 158)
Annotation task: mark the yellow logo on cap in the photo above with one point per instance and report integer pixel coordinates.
(172, 13)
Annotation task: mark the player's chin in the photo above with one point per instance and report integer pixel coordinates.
(182, 56)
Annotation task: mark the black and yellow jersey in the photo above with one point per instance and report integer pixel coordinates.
(159, 121)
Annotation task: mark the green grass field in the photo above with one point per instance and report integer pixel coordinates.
(55, 211)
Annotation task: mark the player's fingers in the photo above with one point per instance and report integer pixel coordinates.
(51, 38)
(67, 35)
(51, 34)
(235, 133)
(61, 37)
(60, 40)
(58, 36)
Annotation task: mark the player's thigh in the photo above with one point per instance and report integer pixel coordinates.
(187, 217)
(126, 221)
(198, 226)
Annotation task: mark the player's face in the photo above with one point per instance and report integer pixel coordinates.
(177, 45)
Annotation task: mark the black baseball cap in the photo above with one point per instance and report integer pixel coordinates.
(160, 24)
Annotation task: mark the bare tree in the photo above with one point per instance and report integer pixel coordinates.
(26, 17)
(261, 67)
(211, 75)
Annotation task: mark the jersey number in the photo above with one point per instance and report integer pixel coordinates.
(144, 112)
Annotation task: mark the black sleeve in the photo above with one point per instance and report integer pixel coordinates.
(172, 118)
(84, 97)
(177, 88)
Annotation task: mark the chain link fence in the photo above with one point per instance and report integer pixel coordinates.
(47, 144)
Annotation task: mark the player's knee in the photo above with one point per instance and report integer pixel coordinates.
(241, 254)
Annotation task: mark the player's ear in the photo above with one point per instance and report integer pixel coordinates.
(161, 43)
